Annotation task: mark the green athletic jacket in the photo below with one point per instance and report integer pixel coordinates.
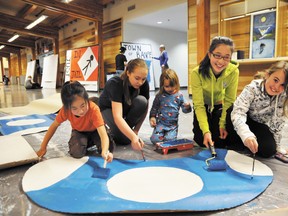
(212, 91)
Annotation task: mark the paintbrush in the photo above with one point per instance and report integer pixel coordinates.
(253, 166)
(142, 152)
(100, 172)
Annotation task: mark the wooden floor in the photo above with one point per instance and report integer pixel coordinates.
(14, 202)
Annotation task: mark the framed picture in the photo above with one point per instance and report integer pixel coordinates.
(262, 36)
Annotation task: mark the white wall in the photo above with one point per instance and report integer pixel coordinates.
(119, 8)
(175, 43)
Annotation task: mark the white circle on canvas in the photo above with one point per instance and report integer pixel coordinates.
(25, 122)
(154, 184)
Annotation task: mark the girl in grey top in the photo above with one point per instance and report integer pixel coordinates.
(260, 112)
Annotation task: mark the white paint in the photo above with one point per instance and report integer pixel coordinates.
(154, 184)
(50, 172)
(11, 117)
(243, 164)
(25, 122)
(30, 131)
(15, 150)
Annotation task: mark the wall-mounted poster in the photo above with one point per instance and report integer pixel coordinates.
(143, 51)
(82, 65)
(263, 35)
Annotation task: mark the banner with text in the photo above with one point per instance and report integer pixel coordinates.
(143, 51)
(82, 65)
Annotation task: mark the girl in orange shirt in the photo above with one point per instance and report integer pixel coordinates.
(87, 124)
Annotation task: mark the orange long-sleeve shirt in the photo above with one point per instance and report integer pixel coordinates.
(90, 122)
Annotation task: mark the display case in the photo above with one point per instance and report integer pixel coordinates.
(248, 21)
(259, 30)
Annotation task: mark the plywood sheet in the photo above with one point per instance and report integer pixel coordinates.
(47, 105)
(182, 184)
(15, 151)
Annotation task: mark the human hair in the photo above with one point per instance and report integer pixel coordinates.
(205, 64)
(280, 65)
(170, 75)
(122, 49)
(70, 90)
(131, 66)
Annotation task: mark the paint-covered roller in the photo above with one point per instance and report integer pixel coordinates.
(213, 163)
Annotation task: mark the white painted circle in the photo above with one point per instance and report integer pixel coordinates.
(25, 122)
(154, 184)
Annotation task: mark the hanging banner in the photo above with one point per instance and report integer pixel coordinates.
(143, 51)
(82, 65)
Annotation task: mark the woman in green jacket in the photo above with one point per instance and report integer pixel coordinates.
(214, 89)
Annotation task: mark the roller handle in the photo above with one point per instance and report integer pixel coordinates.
(212, 149)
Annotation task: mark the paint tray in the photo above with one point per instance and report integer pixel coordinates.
(179, 144)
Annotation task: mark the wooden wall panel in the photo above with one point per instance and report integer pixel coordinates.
(112, 37)
(192, 33)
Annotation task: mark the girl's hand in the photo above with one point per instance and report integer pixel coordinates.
(187, 105)
(223, 133)
(108, 157)
(137, 143)
(252, 144)
(207, 139)
(153, 122)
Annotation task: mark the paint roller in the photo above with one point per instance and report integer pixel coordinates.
(213, 163)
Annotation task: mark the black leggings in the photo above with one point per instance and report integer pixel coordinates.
(265, 139)
(135, 114)
(213, 121)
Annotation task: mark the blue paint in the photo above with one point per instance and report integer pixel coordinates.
(172, 143)
(80, 193)
(6, 130)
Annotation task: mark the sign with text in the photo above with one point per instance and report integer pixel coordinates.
(143, 51)
(82, 65)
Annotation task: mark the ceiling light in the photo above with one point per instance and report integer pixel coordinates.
(13, 38)
(159, 22)
(36, 22)
(66, 1)
(2, 46)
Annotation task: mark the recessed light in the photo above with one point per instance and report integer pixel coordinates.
(159, 22)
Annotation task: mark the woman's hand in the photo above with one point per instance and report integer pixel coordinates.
(223, 133)
(252, 144)
(207, 139)
(137, 143)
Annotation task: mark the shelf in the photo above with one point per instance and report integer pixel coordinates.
(259, 61)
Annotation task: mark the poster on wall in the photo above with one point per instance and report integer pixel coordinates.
(30, 71)
(82, 65)
(143, 51)
(262, 43)
(50, 67)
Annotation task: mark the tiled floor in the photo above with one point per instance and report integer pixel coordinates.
(14, 202)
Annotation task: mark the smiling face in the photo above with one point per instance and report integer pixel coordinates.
(275, 82)
(79, 106)
(220, 58)
(137, 77)
(168, 87)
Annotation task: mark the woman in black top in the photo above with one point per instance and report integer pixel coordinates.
(124, 103)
